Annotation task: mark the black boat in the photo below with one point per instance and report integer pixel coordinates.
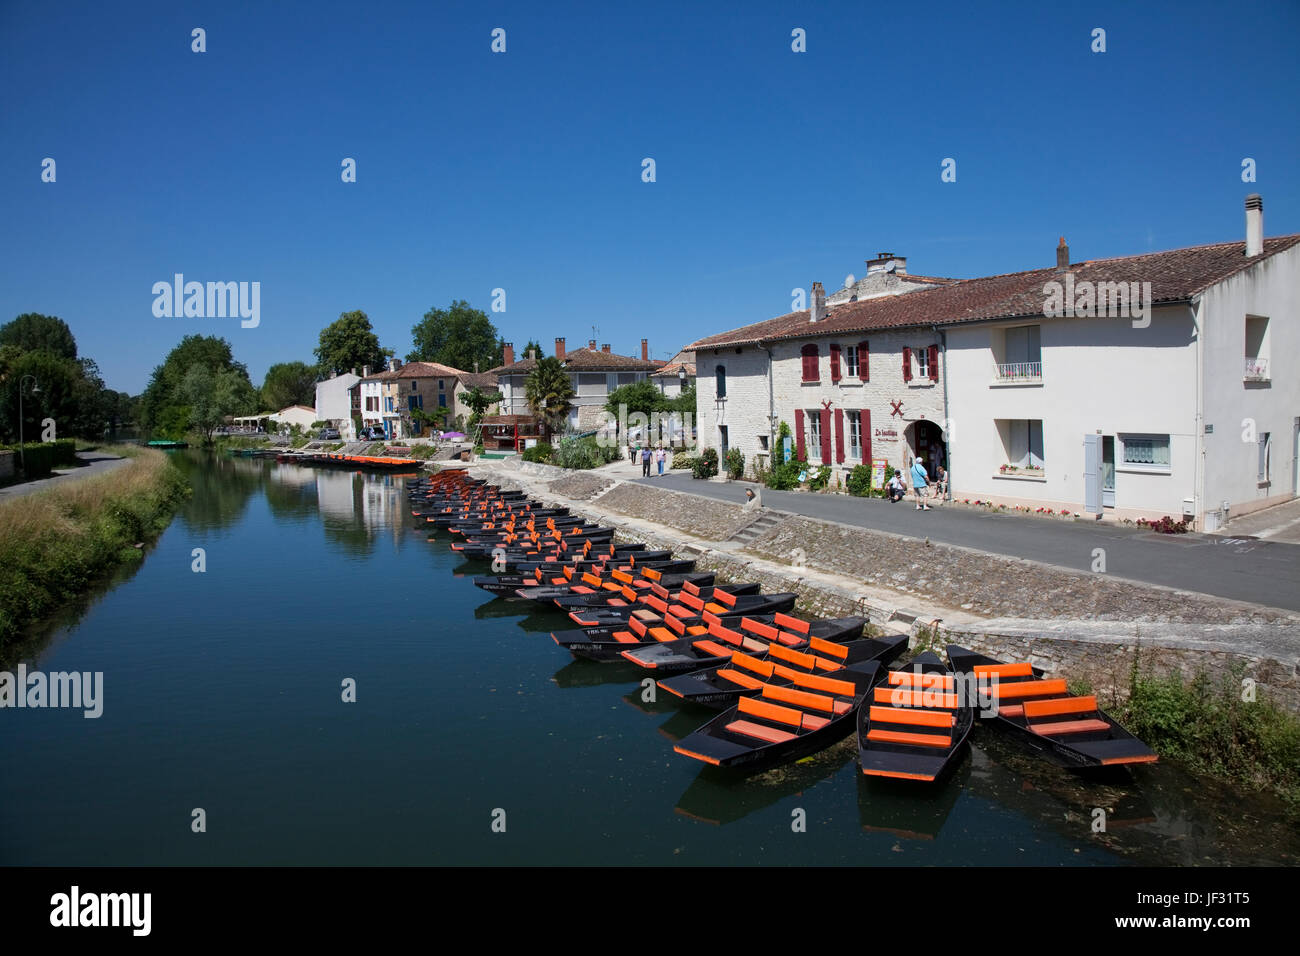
(736, 600)
(749, 635)
(784, 722)
(1068, 730)
(720, 686)
(917, 723)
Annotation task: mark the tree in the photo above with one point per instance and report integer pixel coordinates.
(548, 391)
(289, 383)
(457, 336)
(163, 408)
(349, 343)
(211, 396)
(57, 378)
(33, 332)
(640, 396)
(535, 346)
(479, 402)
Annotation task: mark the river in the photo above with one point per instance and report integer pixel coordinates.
(472, 738)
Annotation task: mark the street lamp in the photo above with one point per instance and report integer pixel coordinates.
(36, 390)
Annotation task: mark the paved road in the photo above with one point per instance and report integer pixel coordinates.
(96, 463)
(1280, 523)
(1258, 571)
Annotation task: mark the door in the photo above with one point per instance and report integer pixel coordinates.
(722, 446)
(1108, 471)
(1092, 474)
(1295, 457)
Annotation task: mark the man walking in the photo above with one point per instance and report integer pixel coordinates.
(645, 462)
(920, 483)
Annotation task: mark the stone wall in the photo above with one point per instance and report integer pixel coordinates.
(6, 465)
(701, 517)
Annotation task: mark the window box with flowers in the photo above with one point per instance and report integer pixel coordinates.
(1022, 472)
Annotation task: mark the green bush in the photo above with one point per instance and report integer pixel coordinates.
(65, 452)
(542, 452)
(819, 479)
(860, 481)
(583, 453)
(40, 457)
(682, 459)
(706, 465)
(735, 463)
(1211, 729)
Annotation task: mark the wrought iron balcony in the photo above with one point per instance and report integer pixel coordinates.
(1017, 372)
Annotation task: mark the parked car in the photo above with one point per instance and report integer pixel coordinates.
(373, 433)
(329, 434)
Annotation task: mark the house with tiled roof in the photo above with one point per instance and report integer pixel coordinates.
(389, 397)
(1135, 386)
(675, 376)
(593, 372)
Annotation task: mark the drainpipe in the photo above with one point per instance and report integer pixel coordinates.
(1198, 484)
(771, 405)
(943, 352)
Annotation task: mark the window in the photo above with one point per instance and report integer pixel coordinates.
(414, 401)
(1021, 358)
(720, 381)
(762, 442)
(442, 384)
(1256, 367)
(1022, 442)
(922, 362)
(414, 385)
(813, 447)
(442, 401)
(810, 371)
(1144, 452)
(1265, 454)
(388, 403)
(851, 361)
(855, 435)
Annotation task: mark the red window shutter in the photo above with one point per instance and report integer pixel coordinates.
(864, 371)
(798, 432)
(835, 363)
(864, 420)
(826, 436)
(810, 356)
(907, 364)
(839, 436)
(934, 363)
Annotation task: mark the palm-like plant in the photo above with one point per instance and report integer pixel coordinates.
(549, 391)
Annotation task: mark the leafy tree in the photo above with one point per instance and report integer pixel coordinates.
(349, 343)
(685, 402)
(549, 391)
(212, 395)
(538, 351)
(33, 332)
(57, 380)
(164, 408)
(457, 336)
(479, 402)
(640, 396)
(290, 383)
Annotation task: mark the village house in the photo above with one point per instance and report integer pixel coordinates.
(1156, 391)
(388, 398)
(593, 373)
(675, 377)
(334, 402)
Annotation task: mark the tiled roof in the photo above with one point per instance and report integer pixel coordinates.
(670, 370)
(483, 380)
(585, 360)
(1175, 276)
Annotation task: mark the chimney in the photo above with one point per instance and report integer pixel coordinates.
(476, 366)
(887, 262)
(532, 353)
(508, 354)
(365, 371)
(592, 345)
(645, 350)
(605, 348)
(1254, 224)
(818, 310)
(1062, 256)
(354, 370)
(559, 348)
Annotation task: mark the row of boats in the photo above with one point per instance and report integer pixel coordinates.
(782, 687)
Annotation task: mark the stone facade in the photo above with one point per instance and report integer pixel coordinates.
(894, 432)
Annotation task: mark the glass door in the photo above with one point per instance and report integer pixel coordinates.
(1108, 471)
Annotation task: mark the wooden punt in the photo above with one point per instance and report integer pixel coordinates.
(917, 723)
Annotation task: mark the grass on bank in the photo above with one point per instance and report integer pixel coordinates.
(57, 543)
(1215, 728)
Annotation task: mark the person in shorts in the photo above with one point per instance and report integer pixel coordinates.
(920, 483)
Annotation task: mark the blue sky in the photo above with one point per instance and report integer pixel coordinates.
(522, 170)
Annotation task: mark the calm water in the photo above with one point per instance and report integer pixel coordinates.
(222, 690)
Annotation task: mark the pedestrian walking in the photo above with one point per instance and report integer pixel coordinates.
(645, 462)
(920, 483)
(660, 457)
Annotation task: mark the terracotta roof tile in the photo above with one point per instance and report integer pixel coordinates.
(1175, 276)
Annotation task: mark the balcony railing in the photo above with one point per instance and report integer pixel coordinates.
(1256, 370)
(1020, 372)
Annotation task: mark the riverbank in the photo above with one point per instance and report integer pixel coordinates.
(1170, 664)
(59, 542)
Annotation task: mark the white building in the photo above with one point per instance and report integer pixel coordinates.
(334, 402)
(1164, 401)
(677, 375)
(593, 373)
(299, 415)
